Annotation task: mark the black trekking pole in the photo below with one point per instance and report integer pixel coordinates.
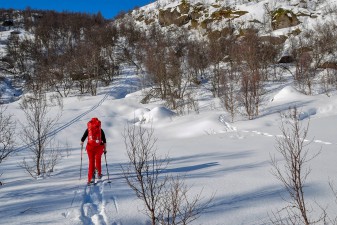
(106, 164)
(81, 162)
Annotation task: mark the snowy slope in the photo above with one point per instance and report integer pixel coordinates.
(228, 160)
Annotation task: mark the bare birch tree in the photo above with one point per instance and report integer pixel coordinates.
(142, 173)
(7, 135)
(165, 197)
(177, 206)
(295, 170)
(36, 134)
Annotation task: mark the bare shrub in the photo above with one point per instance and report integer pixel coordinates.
(329, 81)
(186, 105)
(334, 191)
(229, 92)
(247, 58)
(143, 169)
(177, 207)
(304, 72)
(7, 135)
(251, 93)
(311, 50)
(165, 197)
(192, 104)
(36, 134)
(294, 172)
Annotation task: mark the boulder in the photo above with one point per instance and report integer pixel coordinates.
(286, 59)
(282, 18)
(184, 8)
(172, 16)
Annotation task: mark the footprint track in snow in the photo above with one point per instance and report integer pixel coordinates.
(280, 136)
(97, 207)
(323, 142)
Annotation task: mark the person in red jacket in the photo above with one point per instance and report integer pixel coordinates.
(96, 145)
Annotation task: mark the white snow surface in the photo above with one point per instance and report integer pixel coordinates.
(230, 161)
(227, 160)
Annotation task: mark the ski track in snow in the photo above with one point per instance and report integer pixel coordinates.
(114, 90)
(55, 131)
(98, 207)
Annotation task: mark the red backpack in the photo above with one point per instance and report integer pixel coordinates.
(94, 132)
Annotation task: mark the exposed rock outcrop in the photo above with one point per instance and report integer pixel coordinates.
(172, 16)
(282, 18)
(197, 14)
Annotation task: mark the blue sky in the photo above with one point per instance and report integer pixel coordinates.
(108, 8)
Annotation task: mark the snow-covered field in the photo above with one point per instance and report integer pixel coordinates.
(230, 161)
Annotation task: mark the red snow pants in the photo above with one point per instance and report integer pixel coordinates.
(94, 155)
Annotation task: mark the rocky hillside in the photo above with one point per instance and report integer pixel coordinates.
(279, 18)
(179, 44)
